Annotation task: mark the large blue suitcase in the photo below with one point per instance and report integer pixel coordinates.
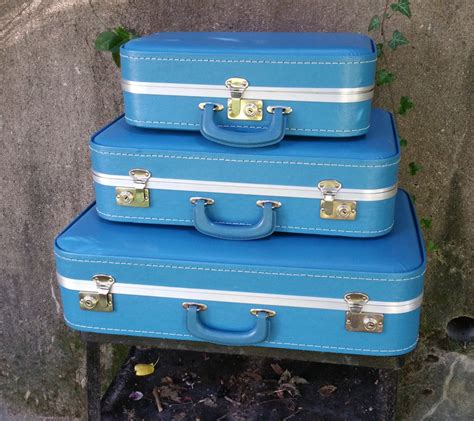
(333, 187)
(250, 89)
(332, 294)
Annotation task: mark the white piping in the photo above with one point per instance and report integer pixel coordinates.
(256, 92)
(243, 297)
(301, 192)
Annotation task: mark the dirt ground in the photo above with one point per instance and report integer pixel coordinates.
(197, 386)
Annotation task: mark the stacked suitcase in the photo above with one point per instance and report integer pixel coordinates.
(248, 197)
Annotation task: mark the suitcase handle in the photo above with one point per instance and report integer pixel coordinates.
(263, 228)
(269, 136)
(256, 334)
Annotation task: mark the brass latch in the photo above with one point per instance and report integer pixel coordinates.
(359, 321)
(100, 300)
(137, 196)
(330, 207)
(242, 109)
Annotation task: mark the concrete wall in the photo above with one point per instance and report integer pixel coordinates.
(57, 90)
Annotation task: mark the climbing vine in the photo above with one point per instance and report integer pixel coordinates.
(386, 46)
(112, 40)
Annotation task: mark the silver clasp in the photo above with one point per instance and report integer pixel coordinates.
(101, 299)
(356, 301)
(359, 321)
(330, 207)
(242, 109)
(138, 195)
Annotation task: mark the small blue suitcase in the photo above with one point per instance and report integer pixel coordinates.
(250, 89)
(333, 187)
(331, 294)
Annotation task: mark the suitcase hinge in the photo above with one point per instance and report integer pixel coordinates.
(335, 209)
(358, 320)
(100, 300)
(137, 196)
(242, 109)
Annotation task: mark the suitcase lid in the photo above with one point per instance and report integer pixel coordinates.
(396, 254)
(379, 144)
(264, 59)
(363, 162)
(338, 44)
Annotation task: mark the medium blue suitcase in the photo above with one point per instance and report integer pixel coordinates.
(250, 89)
(331, 294)
(334, 187)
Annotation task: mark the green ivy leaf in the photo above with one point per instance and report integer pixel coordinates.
(374, 23)
(403, 143)
(402, 6)
(405, 104)
(432, 246)
(116, 58)
(379, 49)
(384, 77)
(112, 41)
(414, 168)
(397, 40)
(106, 41)
(123, 33)
(426, 223)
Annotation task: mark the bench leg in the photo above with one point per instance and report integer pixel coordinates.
(93, 380)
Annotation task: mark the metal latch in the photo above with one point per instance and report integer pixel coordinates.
(242, 109)
(330, 207)
(137, 196)
(100, 300)
(359, 321)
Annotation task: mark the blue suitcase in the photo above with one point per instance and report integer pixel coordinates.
(250, 89)
(333, 187)
(331, 294)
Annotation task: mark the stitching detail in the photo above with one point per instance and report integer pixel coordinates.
(337, 230)
(151, 218)
(246, 126)
(269, 342)
(253, 272)
(244, 161)
(212, 60)
(123, 330)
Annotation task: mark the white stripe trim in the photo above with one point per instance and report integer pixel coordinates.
(243, 297)
(273, 190)
(256, 92)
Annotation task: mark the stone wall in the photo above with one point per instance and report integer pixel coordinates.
(57, 90)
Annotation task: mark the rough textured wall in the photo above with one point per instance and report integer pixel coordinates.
(57, 91)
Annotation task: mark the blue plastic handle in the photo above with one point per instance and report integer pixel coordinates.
(257, 334)
(263, 228)
(266, 137)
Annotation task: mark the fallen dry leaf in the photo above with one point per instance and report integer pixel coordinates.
(169, 392)
(136, 395)
(298, 380)
(253, 375)
(277, 369)
(290, 388)
(285, 377)
(327, 390)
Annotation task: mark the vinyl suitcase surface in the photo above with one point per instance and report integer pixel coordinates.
(344, 187)
(331, 294)
(250, 89)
